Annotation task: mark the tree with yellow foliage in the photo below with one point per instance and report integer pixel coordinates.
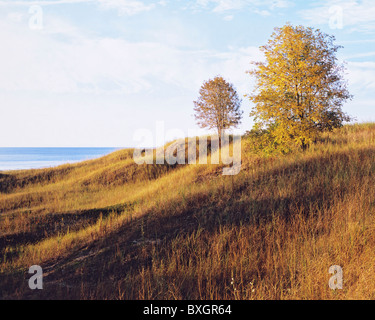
(218, 106)
(300, 87)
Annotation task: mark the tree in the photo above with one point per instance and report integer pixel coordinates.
(218, 106)
(300, 87)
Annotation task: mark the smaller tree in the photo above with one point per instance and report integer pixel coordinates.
(218, 106)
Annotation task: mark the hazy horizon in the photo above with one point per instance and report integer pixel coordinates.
(92, 72)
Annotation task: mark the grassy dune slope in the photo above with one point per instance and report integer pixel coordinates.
(111, 229)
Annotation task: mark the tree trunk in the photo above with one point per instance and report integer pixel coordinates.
(304, 145)
(219, 131)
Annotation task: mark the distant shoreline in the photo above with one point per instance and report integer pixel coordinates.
(27, 158)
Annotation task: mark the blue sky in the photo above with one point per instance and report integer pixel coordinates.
(93, 72)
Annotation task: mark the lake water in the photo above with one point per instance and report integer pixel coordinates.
(36, 158)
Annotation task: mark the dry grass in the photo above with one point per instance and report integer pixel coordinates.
(109, 229)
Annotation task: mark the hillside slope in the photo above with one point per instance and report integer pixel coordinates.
(111, 229)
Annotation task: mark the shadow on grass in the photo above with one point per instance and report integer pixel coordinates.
(124, 254)
(58, 223)
(11, 182)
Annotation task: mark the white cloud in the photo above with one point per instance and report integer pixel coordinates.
(263, 13)
(280, 4)
(225, 5)
(42, 62)
(15, 16)
(124, 7)
(70, 84)
(222, 6)
(127, 7)
(361, 75)
(41, 2)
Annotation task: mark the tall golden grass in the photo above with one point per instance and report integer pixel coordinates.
(109, 229)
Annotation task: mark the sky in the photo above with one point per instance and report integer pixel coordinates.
(93, 73)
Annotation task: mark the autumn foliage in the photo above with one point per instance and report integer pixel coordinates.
(300, 87)
(218, 106)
